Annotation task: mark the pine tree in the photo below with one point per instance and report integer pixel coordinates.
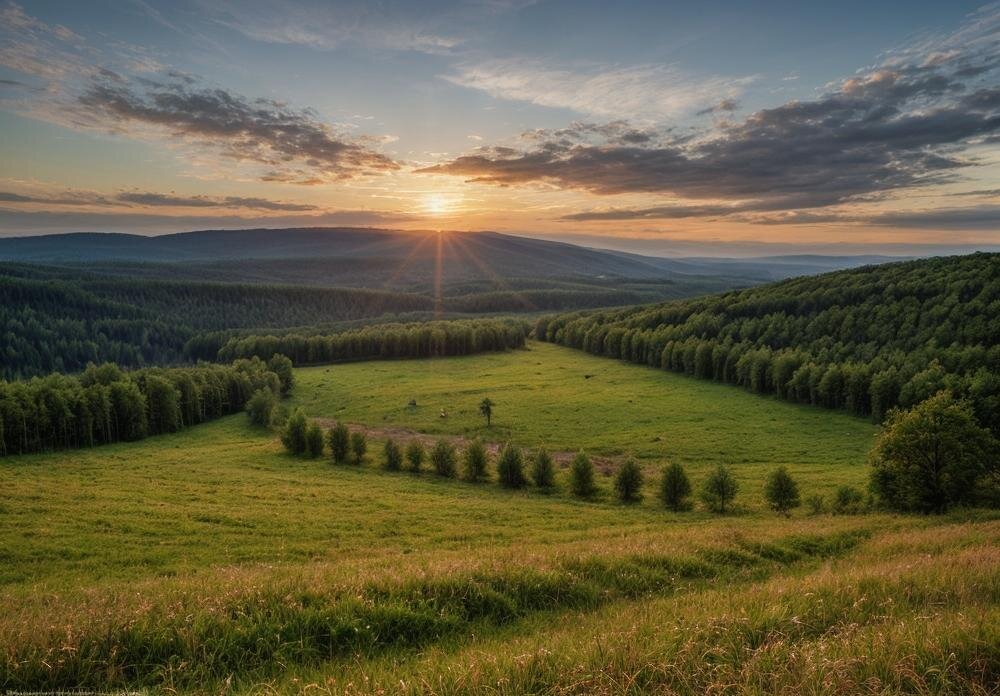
(781, 491)
(719, 489)
(543, 472)
(475, 461)
(510, 467)
(582, 476)
(314, 441)
(340, 442)
(675, 489)
(628, 482)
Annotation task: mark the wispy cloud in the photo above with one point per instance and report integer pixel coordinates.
(141, 199)
(644, 92)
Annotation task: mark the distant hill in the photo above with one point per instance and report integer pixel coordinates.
(865, 340)
(360, 257)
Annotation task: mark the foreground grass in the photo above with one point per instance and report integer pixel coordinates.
(568, 400)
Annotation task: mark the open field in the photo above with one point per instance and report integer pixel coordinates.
(567, 400)
(211, 560)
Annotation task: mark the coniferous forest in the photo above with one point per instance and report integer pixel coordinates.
(864, 340)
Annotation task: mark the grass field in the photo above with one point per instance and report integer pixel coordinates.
(568, 400)
(211, 561)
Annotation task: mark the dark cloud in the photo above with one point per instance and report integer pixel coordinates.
(259, 130)
(164, 199)
(146, 198)
(981, 217)
(724, 106)
(890, 129)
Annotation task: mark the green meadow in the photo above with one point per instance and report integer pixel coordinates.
(212, 561)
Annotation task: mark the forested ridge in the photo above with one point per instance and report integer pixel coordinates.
(865, 340)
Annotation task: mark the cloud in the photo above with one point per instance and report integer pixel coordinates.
(982, 217)
(130, 199)
(724, 106)
(896, 126)
(650, 92)
(289, 142)
(17, 222)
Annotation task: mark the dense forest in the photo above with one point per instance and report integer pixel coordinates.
(385, 341)
(104, 404)
(865, 340)
(54, 319)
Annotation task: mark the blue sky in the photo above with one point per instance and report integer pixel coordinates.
(852, 125)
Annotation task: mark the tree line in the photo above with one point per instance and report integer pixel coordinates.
(106, 404)
(865, 340)
(385, 341)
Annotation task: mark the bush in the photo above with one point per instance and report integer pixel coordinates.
(261, 406)
(847, 501)
(581, 477)
(314, 441)
(475, 462)
(510, 467)
(340, 442)
(933, 457)
(781, 491)
(415, 455)
(293, 437)
(816, 504)
(628, 482)
(392, 456)
(675, 489)
(359, 445)
(543, 472)
(719, 490)
(443, 459)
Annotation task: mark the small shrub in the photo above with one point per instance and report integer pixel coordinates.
(475, 462)
(392, 456)
(581, 476)
(261, 406)
(293, 437)
(359, 445)
(628, 482)
(848, 500)
(510, 467)
(339, 438)
(543, 471)
(314, 441)
(781, 491)
(281, 365)
(816, 504)
(675, 489)
(443, 459)
(719, 490)
(415, 455)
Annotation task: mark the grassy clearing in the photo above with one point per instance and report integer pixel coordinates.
(211, 560)
(567, 400)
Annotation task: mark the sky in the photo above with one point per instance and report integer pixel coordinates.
(709, 128)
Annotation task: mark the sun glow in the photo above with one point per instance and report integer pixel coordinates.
(438, 204)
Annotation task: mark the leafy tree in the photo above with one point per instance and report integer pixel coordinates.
(628, 482)
(781, 491)
(314, 441)
(486, 409)
(543, 471)
(475, 462)
(339, 438)
(415, 455)
(933, 457)
(581, 476)
(443, 459)
(510, 467)
(675, 488)
(847, 501)
(719, 490)
(261, 406)
(293, 437)
(281, 365)
(359, 445)
(392, 456)
(164, 405)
